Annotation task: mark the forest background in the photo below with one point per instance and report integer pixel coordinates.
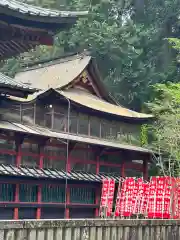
(136, 45)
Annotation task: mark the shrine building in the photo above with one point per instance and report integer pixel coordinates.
(70, 133)
(61, 132)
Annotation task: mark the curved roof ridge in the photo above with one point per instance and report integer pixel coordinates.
(31, 10)
(53, 61)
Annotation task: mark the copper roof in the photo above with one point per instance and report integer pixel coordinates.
(44, 132)
(7, 82)
(54, 74)
(20, 9)
(59, 73)
(93, 102)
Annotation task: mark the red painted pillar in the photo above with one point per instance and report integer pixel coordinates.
(16, 210)
(39, 197)
(68, 169)
(38, 212)
(97, 189)
(18, 163)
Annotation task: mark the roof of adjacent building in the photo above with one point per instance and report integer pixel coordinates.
(23, 26)
(12, 87)
(45, 132)
(6, 81)
(26, 11)
(9, 170)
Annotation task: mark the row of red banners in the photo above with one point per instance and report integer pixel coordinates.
(158, 198)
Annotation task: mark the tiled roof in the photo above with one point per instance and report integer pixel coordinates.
(6, 81)
(30, 10)
(45, 132)
(51, 174)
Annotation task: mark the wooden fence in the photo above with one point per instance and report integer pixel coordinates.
(90, 230)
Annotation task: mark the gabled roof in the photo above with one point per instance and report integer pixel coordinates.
(7, 84)
(54, 74)
(59, 73)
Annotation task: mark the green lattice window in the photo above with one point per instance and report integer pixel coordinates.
(52, 193)
(82, 195)
(7, 192)
(28, 193)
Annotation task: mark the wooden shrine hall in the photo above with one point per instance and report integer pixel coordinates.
(58, 123)
(70, 133)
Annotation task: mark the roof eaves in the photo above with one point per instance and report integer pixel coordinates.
(6, 81)
(35, 11)
(10, 170)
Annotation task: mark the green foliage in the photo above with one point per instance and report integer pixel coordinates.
(166, 129)
(144, 135)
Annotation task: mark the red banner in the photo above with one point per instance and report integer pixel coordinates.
(144, 201)
(107, 196)
(158, 198)
(125, 198)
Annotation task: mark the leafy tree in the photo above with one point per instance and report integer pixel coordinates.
(166, 129)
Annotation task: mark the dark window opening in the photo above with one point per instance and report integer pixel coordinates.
(28, 193)
(94, 127)
(7, 192)
(82, 195)
(83, 124)
(105, 130)
(73, 123)
(54, 194)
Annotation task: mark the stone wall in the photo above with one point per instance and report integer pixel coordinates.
(90, 230)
